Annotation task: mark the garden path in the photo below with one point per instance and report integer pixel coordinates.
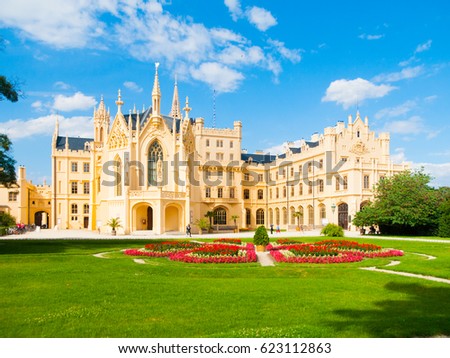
(264, 258)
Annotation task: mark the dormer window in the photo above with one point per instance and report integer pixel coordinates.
(358, 133)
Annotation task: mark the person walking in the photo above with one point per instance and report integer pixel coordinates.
(188, 230)
(278, 229)
(271, 229)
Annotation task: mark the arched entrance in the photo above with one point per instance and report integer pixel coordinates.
(143, 217)
(343, 216)
(41, 219)
(172, 218)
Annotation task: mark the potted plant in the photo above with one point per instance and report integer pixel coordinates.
(261, 238)
(209, 215)
(202, 224)
(114, 223)
(234, 218)
(298, 215)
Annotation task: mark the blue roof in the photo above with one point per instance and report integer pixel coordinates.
(75, 143)
(258, 158)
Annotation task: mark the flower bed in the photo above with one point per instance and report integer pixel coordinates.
(228, 241)
(329, 251)
(198, 252)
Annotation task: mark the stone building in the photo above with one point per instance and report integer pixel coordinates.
(160, 172)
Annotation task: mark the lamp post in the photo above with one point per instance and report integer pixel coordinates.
(333, 208)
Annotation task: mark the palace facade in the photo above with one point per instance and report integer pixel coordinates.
(161, 172)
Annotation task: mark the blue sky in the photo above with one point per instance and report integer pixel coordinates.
(286, 69)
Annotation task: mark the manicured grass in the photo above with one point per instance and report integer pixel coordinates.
(57, 288)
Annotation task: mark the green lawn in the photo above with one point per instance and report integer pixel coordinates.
(59, 289)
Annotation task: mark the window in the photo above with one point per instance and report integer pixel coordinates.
(260, 178)
(230, 176)
(277, 193)
(260, 217)
(366, 182)
(292, 191)
(338, 183)
(86, 209)
(310, 215)
(231, 144)
(320, 163)
(284, 173)
(320, 186)
(285, 216)
(300, 189)
(345, 183)
(74, 209)
(74, 187)
(260, 194)
(155, 161)
(12, 196)
(220, 217)
(219, 156)
(310, 166)
(208, 156)
(292, 172)
(246, 176)
(86, 187)
(358, 133)
(73, 218)
(231, 157)
(219, 143)
(118, 178)
(220, 193)
(207, 142)
(344, 159)
(246, 194)
(231, 193)
(248, 217)
(74, 167)
(86, 167)
(270, 193)
(207, 192)
(310, 187)
(284, 191)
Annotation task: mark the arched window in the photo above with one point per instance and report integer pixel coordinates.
(285, 216)
(118, 177)
(277, 216)
(310, 215)
(323, 211)
(260, 217)
(155, 164)
(248, 217)
(300, 210)
(220, 216)
(292, 212)
(270, 216)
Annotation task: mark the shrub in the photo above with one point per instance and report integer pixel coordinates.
(261, 237)
(332, 230)
(7, 220)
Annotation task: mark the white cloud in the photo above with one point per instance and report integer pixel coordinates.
(234, 7)
(390, 112)
(78, 101)
(45, 125)
(68, 24)
(370, 37)
(281, 148)
(133, 86)
(410, 126)
(261, 18)
(350, 92)
(424, 47)
(406, 73)
(217, 76)
(62, 85)
(291, 55)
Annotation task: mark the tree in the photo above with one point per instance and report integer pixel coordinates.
(298, 215)
(444, 212)
(7, 162)
(8, 90)
(209, 215)
(404, 204)
(234, 218)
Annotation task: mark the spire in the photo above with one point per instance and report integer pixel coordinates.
(119, 102)
(156, 90)
(186, 109)
(176, 112)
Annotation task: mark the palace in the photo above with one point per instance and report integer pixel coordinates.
(161, 172)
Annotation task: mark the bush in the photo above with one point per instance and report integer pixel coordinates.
(261, 237)
(7, 220)
(3, 231)
(332, 230)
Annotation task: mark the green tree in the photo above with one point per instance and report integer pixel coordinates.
(444, 212)
(8, 90)
(404, 204)
(7, 162)
(7, 220)
(209, 215)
